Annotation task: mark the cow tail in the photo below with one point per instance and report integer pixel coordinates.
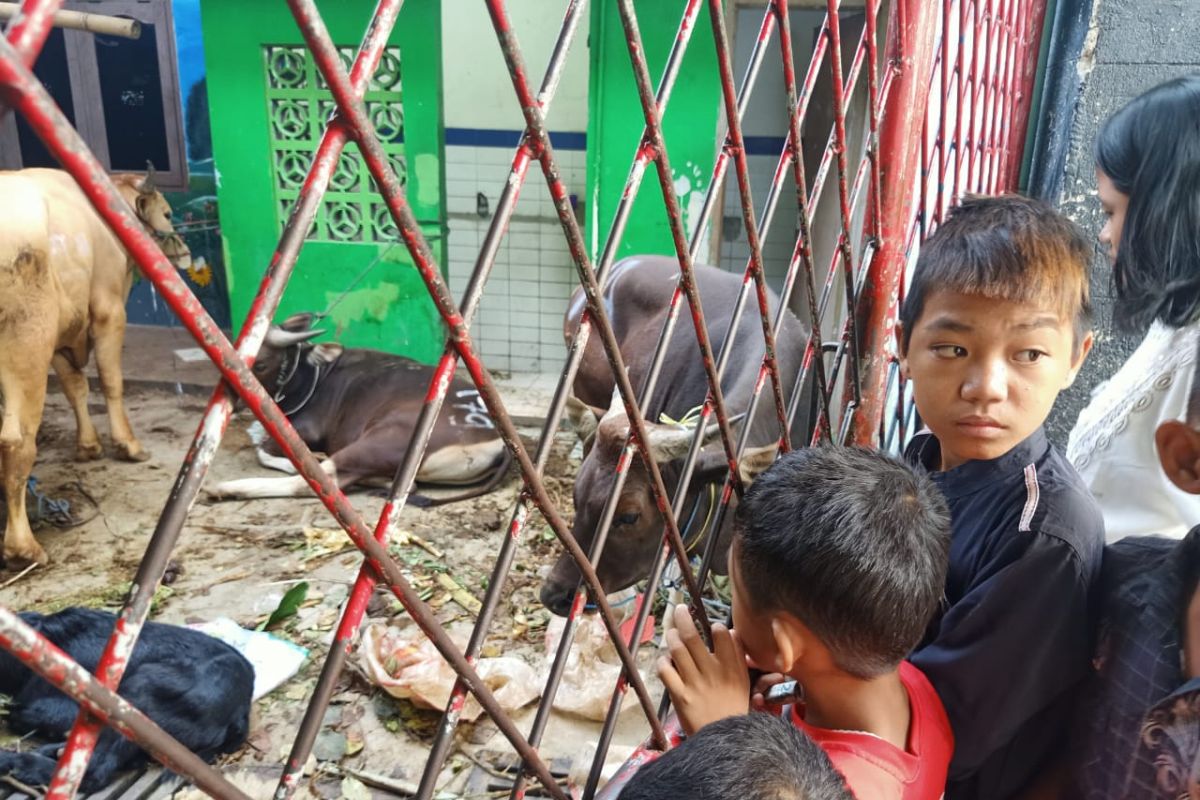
(498, 476)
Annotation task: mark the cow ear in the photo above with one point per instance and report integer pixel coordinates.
(584, 419)
(755, 461)
(325, 353)
(298, 322)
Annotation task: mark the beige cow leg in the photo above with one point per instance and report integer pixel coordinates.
(108, 333)
(75, 387)
(24, 398)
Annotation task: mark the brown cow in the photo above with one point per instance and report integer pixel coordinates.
(637, 297)
(64, 280)
(360, 406)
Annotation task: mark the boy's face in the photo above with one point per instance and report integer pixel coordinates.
(752, 627)
(986, 372)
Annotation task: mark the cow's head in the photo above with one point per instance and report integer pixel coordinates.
(154, 212)
(279, 350)
(637, 525)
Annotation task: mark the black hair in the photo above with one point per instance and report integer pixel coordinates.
(854, 543)
(1006, 247)
(753, 757)
(1150, 150)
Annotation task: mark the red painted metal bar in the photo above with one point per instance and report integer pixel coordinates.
(27, 33)
(911, 51)
(1027, 63)
(195, 466)
(689, 462)
(852, 392)
(596, 310)
(656, 570)
(666, 180)
(31, 99)
(60, 671)
(735, 144)
(29, 29)
(802, 255)
(325, 56)
(355, 606)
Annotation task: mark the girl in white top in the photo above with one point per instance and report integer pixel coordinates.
(1148, 172)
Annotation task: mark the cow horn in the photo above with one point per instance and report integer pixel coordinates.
(669, 442)
(148, 183)
(279, 338)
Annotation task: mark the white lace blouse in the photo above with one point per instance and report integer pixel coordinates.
(1112, 443)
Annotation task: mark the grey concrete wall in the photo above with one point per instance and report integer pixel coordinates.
(1133, 45)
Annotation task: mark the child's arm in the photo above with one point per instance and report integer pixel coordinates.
(704, 686)
(1009, 649)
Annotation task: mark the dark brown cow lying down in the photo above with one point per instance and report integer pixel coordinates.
(360, 407)
(637, 297)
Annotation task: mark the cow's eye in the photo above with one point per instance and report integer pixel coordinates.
(627, 518)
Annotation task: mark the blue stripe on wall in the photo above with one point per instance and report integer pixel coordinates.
(577, 140)
(490, 137)
(764, 145)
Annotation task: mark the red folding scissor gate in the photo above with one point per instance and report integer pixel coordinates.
(948, 86)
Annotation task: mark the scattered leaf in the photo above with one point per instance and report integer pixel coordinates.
(288, 606)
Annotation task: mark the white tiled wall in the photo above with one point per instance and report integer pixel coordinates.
(519, 326)
(781, 236)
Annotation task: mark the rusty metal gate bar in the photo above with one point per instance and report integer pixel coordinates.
(984, 156)
(962, 150)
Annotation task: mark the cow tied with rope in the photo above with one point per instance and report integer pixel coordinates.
(360, 407)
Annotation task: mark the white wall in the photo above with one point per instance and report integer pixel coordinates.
(519, 327)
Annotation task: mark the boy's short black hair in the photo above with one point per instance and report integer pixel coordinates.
(1150, 150)
(753, 757)
(1006, 247)
(854, 543)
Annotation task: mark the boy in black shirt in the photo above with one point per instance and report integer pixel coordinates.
(996, 323)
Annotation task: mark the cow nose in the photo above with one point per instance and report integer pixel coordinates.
(557, 598)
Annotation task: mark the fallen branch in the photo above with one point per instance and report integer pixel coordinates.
(85, 21)
(18, 576)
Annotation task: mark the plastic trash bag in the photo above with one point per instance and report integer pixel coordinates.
(593, 665)
(405, 664)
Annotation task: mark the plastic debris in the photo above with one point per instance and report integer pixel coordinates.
(405, 664)
(274, 660)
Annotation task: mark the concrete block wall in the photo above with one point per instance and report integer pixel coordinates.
(1133, 45)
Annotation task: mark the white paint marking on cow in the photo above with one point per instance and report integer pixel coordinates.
(58, 245)
(460, 463)
(251, 488)
(274, 462)
(474, 411)
(257, 433)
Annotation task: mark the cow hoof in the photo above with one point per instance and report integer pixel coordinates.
(131, 452)
(23, 557)
(88, 452)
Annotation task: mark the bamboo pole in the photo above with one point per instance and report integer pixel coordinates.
(84, 21)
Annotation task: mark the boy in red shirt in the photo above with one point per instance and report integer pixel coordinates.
(838, 563)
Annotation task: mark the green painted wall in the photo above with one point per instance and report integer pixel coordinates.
(267, 106)
(615, 123)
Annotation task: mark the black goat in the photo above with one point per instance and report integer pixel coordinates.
(195, 687)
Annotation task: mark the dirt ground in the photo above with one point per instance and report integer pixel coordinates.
(237, 559)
